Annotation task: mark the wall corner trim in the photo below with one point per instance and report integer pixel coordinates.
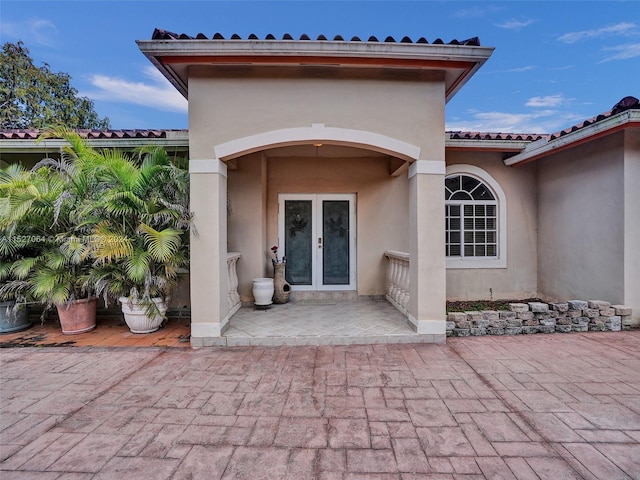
(205, 330)
(209, 165)
(428, 167)
(433, 327)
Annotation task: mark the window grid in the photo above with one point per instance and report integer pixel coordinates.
(471, 218)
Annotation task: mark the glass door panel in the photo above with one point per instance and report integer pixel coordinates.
(317, 235)
(336, 245)
(298, 221)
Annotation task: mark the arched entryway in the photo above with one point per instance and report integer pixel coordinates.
(250, 177)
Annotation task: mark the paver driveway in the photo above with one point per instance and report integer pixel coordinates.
(545, 406)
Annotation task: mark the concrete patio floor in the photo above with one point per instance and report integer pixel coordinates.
(531, 407)
(322, 322)
(311, 322)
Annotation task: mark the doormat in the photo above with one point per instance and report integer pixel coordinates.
(316, 301)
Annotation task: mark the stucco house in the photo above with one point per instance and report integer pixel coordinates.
(336, 152)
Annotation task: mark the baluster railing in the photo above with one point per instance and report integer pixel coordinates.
(232, 280)
(398, 279)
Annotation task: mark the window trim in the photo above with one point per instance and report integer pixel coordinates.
(499, 261)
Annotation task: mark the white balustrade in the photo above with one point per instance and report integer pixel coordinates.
(398, 279)
(232, 281)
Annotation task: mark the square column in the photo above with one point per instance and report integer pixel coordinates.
(427, 267)
(208, 257)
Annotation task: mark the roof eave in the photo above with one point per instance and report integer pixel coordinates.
(464, 78)
(168, 73)
(174, 139)
(543, 147)
(486, 145)
(201, 51)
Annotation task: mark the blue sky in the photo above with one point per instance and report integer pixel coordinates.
(555, 63)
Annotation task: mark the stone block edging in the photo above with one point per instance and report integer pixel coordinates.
(540, 317)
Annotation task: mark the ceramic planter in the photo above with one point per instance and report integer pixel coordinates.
(12, 318)
(263, 291)
(136, 315)
(77, 316)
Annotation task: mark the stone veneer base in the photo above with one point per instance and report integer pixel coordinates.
(540, 317)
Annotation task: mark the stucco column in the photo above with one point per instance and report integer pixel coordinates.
(631, 223)
(427, 268)
(208, 266)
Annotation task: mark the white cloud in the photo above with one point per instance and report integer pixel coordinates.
(548, 101)
(622, 52)
(474, 12)
(39, 31)
(623, 28)
(158, 93)
(540, 121)
(514, 24)
(563, 67)
(526, 68)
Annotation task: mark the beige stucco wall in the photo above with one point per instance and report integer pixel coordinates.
(208, 266)
(581, 222)
(242, 103)
(427, 274)
(246, 220)
(381, 210)
(518, 280)
(632, 222)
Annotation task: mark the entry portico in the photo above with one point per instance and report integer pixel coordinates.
(272, 120)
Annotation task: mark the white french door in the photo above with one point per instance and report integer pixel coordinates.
(317, 234)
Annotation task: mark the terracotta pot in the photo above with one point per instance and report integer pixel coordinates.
(12, 318)
(281, 288)
(78, 316)
(136, 315)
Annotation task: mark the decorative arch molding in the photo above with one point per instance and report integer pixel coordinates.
(317, 133)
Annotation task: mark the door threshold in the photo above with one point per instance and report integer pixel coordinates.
(323, 296)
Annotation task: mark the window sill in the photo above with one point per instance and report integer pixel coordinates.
(459, 263)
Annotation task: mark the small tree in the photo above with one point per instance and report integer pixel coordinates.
(36, 97)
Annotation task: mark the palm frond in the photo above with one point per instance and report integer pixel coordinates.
(5, 269)
(122, 203)
(14, 289)
(137, 265)
(108, 245)
(22, 267)
(46, 281)
(53, 258)
(162, 245)
(74, 250)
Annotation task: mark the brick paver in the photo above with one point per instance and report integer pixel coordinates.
(539, 407)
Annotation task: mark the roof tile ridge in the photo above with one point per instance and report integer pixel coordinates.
(161, 34)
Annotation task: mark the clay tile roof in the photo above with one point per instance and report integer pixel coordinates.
(159, 34)
(19, 134)
(529, 137)
(32, 134)
(627, 103)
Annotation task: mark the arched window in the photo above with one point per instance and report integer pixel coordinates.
(474, 210)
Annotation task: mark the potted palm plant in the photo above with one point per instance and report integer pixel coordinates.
(104, 223)
(14, 314)
(141, 240)
(46, 207)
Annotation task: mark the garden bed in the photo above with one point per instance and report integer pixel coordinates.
(479, 305)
